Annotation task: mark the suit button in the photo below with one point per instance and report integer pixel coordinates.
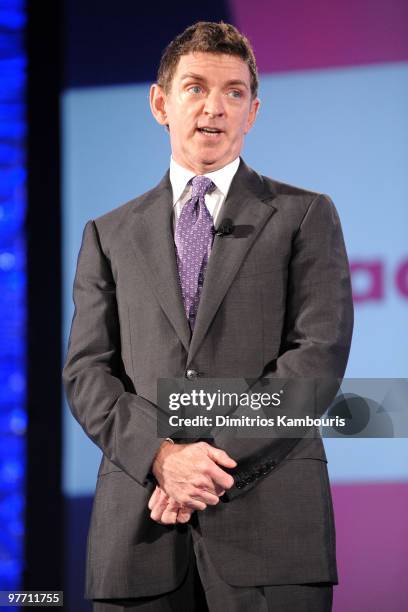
(191, 374)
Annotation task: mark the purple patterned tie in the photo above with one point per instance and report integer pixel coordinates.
(193, 238)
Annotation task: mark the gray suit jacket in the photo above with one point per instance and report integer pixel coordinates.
(276, 302)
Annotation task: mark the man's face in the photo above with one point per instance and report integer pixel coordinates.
(208, 110)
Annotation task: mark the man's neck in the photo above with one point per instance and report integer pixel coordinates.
(182, 167)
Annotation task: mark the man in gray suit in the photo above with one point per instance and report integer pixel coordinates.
(160, 294)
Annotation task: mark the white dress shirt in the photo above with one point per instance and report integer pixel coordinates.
(221, 178)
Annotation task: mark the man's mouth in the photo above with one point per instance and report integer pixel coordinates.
(209, 130)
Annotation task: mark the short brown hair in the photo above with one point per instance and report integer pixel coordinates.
(207, 37)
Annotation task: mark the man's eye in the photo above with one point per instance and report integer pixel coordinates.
(235, 93)
(194, 89)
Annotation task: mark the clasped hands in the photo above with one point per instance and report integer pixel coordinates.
(190, 478)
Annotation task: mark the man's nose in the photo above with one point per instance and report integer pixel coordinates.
(214, 104)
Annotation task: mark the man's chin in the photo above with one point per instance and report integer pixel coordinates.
(210, 163)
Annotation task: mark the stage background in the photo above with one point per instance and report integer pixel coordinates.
(334, 85)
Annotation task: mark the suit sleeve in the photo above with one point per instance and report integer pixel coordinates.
(121, 423)
(317, 333)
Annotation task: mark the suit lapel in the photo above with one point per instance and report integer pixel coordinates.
(153, 244)
(248, 205)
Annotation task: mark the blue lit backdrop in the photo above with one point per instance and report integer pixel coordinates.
(12, 291)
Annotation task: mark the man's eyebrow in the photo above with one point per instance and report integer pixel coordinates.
(199, 77)
(237, 82)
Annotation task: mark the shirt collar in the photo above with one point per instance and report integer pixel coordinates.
(221, 178)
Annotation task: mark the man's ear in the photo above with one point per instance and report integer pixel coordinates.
(157, 104)
(253, 111)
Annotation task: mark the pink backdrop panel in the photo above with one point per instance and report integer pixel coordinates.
(306, 34)
(372, 536)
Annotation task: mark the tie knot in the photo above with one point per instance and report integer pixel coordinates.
(200, 186)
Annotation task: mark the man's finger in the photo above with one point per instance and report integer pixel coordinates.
(221, 457)
(219, 477)
(209, 498)
(159, 506)
(154, 498)
(184, 515)
(169, 515)
(194, 504)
